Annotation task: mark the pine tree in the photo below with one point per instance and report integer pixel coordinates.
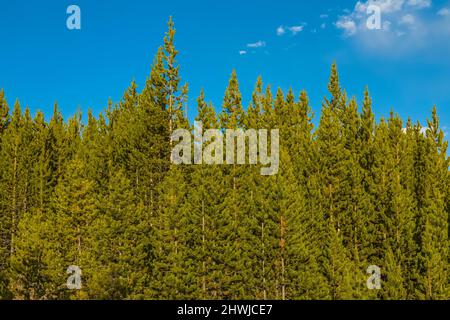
(230, 227)
(74, 209)
(120, 251)
(333, 157)
(434, 276)
(149, 135)
(175, 96)
(13, 183)
(4, 112)
(172, 270)
(28, 269)
(202, 207)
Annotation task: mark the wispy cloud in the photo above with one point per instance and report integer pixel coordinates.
(396, 12)
(419, 3)
(294, 30)
(258, 44)
(444, 12)
(242, 52)
(280, 31)
(407, 19)
(412, 21)
(347, 24)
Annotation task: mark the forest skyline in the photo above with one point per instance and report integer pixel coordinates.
(354, 199)
(288, 48)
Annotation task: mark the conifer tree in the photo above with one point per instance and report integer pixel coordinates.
(120, 251)
(434, 275)
(203, 206)
(4, 112)
(28, 278)
(231, 229)
(149, 134)
(172, 269)
(175, 96)
(74, 209)
(334, 192)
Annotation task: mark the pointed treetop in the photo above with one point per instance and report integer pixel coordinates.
(257, 91)
(232, 111)
(17, 112)
(434, 131)
(39, 119)
(279, 104)
(56, 117)
(27, 114)
(367, 113)
(267, 106)
(169, 44)
(259, 84)
(205, 112)
(232, 93)
(256, 104)
(367, 102)
(334, 86)
(3, 103)
(4, 111)
(290, 97)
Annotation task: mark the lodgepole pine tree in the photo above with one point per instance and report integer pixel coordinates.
(149, 135)
(172, 270)
(74, 209)
(119, 252)
(232, 258)
(332, 157)
(175, 95)
(14, 184)
(434, 275)
(4, 112)
(203, 206)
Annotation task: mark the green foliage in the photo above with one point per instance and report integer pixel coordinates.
(103, 195)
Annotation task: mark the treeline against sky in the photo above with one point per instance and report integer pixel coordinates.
(104, 196)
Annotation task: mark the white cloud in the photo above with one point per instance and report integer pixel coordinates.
(386, 6)
(323, 25)
(444, 12)
(407, 19)
(419, 3)
(280, 31)
(407, 27)
(242, 52)
(296, 29)
(346, 24)
(257, 44)
(399, 14)
(323, 16)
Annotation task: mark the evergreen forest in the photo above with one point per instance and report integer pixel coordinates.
(101, 193)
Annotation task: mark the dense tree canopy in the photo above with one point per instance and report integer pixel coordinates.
(102, 194)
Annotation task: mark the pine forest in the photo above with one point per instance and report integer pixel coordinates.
(101, 193)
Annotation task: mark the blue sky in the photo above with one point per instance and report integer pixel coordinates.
(406, 63)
